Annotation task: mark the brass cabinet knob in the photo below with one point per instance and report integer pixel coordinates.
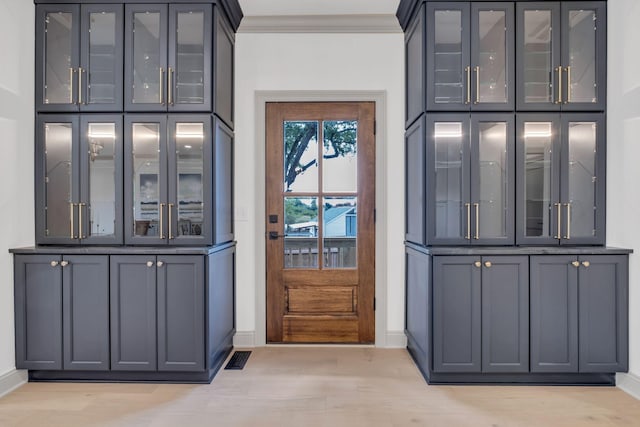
(160, 263)
(64, 263)
(54, 263)
(477, 264)
(586, 263)
(149, 263)
(576, 264)
(488, 264)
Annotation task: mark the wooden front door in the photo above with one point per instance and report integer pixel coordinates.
(320, 201)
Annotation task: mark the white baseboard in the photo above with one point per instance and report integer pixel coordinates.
(244, 339)
(396, 339)
(11, 381)
(629, 383)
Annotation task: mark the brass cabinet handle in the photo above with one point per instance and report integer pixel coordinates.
(568, 236)
(576, 264)
(71, 71)
(477, 264)
(64, 263)
(488, 264)
(477, 85)
(467, 69)
(559, 70)
(586, 263)
(558, 206)
(80, 70)
(161, 83)
(170, 208)
(71, 213)
(149, 264)
(468, 235)
(477, 206)
(80, 230)
(170, 86)
(54, 263)
(160, 263)
(162, 205)
(568, 85)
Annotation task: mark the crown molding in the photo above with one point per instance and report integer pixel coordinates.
(320, 24)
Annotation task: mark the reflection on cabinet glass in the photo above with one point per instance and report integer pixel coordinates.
(168, 169)
(470, 179)
(469, 56)
(561, 189)
(79, 176)
(80, 62)
(168, 61)
(561, 55)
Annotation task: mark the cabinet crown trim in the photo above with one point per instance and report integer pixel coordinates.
(320, 24)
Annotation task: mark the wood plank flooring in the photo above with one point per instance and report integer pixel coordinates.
(317, 386)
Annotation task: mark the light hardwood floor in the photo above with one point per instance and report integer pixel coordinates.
(316, 386)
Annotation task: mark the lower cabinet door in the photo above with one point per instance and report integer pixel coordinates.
(603, 314)
(181, 301)
(133, 313)
(554, 313)
(85, 312)
(456, 314)
(505, 314)
(38, 311)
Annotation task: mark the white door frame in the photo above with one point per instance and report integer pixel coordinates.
(379, 97)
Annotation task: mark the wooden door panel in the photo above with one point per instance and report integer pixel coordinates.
(321, 232)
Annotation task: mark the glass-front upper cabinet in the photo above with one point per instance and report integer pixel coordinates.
(470, 179)
(561, 56)
(168, 170)
(79, 179)
(168, 57)
(470, 56)
(80, 56)
(561, 164)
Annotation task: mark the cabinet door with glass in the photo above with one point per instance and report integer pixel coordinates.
(561, 179)
(470, 179)
(79, 179)
(79, 58)
(168, 170)
(561, 56)
(470, 56)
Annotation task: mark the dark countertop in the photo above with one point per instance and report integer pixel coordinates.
(121, 250)
(519, 250)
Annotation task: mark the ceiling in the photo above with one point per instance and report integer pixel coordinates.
(318, 7)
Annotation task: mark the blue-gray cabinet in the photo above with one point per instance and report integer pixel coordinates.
(157, 313)
(561, 186)
(481, 314)
(79, 57)
(79, 179)
(62, 312)
(579, 313)
(561, 56)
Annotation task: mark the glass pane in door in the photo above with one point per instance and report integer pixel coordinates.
(300, 156)
(538, 57)
(189, 73)
(147, 71)
(58, 71)
(190, 168)
(582, 56)
(492, 56)
(58, 180)
(146, 184)
(301, 232)
(340, 156)
(340, 230)
(581, 206)
(538, 174)
(102, 179)
(493, 198)
(448, 61)
(449, 141)
(102, 69)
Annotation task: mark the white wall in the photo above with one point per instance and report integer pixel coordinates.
(16, 155)
(623, 151)
(315, 62)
